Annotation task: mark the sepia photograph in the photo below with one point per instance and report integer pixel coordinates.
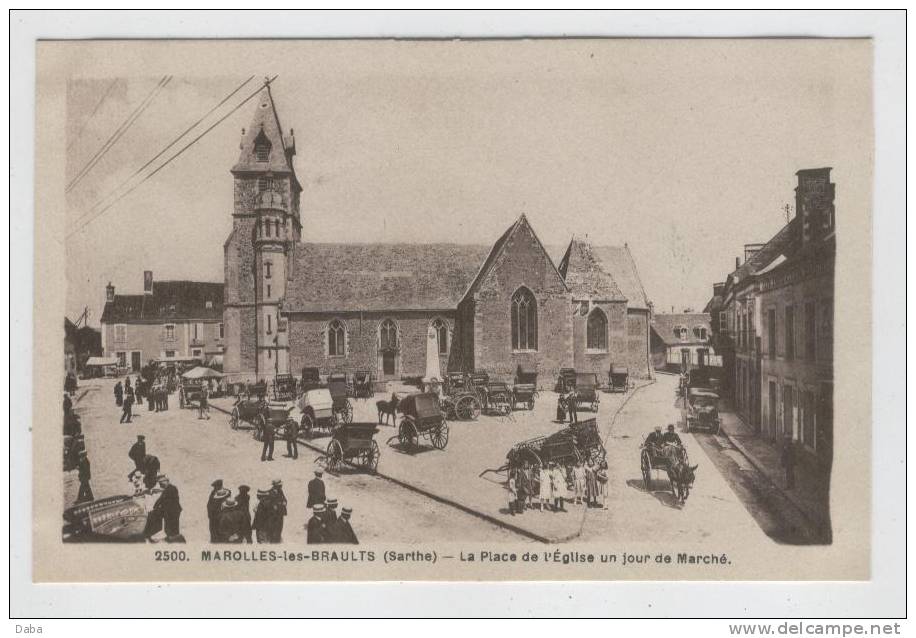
(496, 309)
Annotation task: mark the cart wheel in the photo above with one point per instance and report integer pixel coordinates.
(307, 425)
(439, 436)
(372, 457)
(407, 435)
(347, 413)
(234, 419)
(259, 424)
(646, 469)
(335, 456)
(467, 409)
(530, 403)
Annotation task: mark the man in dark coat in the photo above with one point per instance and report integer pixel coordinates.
(68, 404)
(655, 438)
(572, 406)
(292, 439)
(317, 531)
(341, 531)
(85, 474)
(261, 522)
(279, 511)
(150, 471)
(119, 394)
(213, 507)
(138, 451)
(671, 436)
(330, 512)
(166, 510)
(316, 490)
(126, 412)
(243, 498)
(231, 520)
(267, 452)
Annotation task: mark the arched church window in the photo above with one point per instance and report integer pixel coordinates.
(524, 320)
(388, 335)
(337, 339)
(441, 329)
(596, 331)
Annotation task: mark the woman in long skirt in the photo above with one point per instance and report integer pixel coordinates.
(591, 485)
(602, 478)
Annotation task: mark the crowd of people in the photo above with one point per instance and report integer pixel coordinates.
(231, 519)
(549, 487)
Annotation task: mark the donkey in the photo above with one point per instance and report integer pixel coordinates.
(388, 408)
(681, 477)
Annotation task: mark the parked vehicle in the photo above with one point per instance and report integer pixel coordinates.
(587, 390)
(702, 410)
(460, 399)
(577, 442)
(566, 380)
(311, 378)
(499, 398)
(525, 388)
(284, 387)
(343, 409)
(354, 443)
(279, 415)
(618, 379)
(317, 408)
(248, 410)
(362, 384)
(422, 417)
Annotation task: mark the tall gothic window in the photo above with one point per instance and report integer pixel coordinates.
(337, 339)
(388, 335)
(596, 331)
(524, 320)
(441, 329)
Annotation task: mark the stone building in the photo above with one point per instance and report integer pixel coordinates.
(777, 311)
(170, 320)
(349, 307)
(681, 341)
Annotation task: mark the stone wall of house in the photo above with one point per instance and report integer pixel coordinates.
(152, 342)
(308, 345)
(637, 350)
(522, 262)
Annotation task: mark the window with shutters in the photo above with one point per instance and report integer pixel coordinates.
(524, 321)
(169, 332)
(120, 332)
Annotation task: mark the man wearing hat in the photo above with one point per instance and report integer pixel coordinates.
(138, 451)
(243, 498)
(671, 436)
(230, 522)
(85, 474)
(267, 452)
(213, 507)
(330, 512)
(292, 439)
(341, 531)
(655, 437)
(261, 522)
(167, 510)
(316, 490)
(317, 531)
(278, 509)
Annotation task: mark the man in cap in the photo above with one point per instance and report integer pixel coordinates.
(243, 498)
(341, 531)
(317, 531)
(330, 512)
(278, 499)
(126, 412)
(138, 451)
(166, 510)
(655, 438)
(213, 507)
(316, 490)
(292, 439)
(671, 436)
(261, 522)
(267, 452)
(85, 474)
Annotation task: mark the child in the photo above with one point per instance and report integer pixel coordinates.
(513, 492)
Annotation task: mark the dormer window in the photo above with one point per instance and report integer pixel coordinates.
(209, 305)
(262, 148)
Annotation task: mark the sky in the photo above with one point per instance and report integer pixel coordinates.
(685, 150)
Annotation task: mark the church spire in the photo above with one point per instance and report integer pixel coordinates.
(264, 147)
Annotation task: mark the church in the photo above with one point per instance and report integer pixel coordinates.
(290, 304)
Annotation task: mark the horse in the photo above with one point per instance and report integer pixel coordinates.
(681, 477)
(388, 408)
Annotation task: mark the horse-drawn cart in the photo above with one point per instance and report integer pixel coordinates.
(284, 387)
(587, 390)
(362, 384)
(525, 388)
(343, 409)
(277, 414)
(499, 398)
(618, 379)
(354, 443)
(422, 418)
(248, 410)
(577, 442)
(317, 407)
(461, 400)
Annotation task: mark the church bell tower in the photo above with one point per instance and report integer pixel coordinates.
(265, 228)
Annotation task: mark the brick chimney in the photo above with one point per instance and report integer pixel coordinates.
(718, 289)
(109, 293)
(147, 282)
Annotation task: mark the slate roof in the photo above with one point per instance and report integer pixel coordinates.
(618, 261)
(367, 277)
(169, 301)
(586, 275)
(664, 324)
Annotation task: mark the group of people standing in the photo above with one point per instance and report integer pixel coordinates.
(548, 487)
(567, 406)
(231, 519)
(125, 396)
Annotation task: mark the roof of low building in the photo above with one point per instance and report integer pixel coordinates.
(587, 275)
(665, 325)
(169, 301)
(377, 276)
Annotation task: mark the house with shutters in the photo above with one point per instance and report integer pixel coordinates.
(170, 320)
(347, 307)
